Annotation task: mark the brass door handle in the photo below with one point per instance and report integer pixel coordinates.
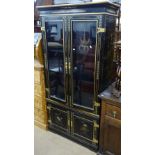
(69, 66)
(66, 67)
(98, 70)
(66, 64)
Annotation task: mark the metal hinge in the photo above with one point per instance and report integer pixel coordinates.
(100, 30)
(96, 125)
(49, 121)
(95, 141)
(47, 89)
(97, 104)
(48, 107)
(42, 28)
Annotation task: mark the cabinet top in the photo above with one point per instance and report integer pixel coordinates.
(103, 4)
(109, 97)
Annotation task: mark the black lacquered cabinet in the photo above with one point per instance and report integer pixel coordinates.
(78, 52)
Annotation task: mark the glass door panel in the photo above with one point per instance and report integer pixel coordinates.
(83, 61)
(55, 52)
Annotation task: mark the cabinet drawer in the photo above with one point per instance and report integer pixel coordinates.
(113, 111)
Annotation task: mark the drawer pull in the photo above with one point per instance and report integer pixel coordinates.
(114, 114)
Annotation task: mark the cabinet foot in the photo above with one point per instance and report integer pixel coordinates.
(99, 153)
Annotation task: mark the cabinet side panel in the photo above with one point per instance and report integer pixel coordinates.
(107, 49)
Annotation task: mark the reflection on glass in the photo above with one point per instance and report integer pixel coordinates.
(54, 35)
(83, 44)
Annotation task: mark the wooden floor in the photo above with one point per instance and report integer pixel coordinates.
(48, 143)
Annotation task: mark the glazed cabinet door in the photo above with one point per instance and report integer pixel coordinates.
(84, 61)
(55, 58)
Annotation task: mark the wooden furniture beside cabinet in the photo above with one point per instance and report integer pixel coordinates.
(40, 113)
(110, 124)
(38, 53)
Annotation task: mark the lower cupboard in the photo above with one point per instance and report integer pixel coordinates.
(74, 125)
